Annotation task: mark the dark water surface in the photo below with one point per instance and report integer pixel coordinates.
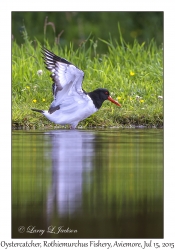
(87, 184)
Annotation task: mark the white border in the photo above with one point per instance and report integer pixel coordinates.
(5, 94)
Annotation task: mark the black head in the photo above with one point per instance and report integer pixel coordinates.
(98, 96)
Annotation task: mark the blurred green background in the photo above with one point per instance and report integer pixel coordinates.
(75, 27)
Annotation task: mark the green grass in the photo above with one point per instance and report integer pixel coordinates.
(132, 73)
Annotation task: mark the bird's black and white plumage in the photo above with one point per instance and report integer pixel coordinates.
(71, 103)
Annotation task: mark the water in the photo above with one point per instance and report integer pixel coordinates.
(87, 184)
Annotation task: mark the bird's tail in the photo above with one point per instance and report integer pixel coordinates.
(38, 110)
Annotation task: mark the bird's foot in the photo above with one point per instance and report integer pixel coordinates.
(71, 127)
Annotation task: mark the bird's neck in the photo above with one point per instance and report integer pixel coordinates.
(96, 99)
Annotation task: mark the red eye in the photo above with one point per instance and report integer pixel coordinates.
(106, 93)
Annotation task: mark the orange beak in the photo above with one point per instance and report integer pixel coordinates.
(112, 100)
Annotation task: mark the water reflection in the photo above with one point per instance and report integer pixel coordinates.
(104, 184)
(72, 153)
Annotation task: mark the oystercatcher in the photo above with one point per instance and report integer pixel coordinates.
(71, 103)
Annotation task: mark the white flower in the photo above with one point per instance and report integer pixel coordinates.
(39, 72)
(138, 97)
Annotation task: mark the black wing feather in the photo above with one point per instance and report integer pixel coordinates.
(53, 57)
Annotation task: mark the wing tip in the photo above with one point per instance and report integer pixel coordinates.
(47, 54)
(38, 110)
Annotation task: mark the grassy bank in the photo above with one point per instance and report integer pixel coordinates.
(132, 73)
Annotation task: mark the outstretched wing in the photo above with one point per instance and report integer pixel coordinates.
(67, 79)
